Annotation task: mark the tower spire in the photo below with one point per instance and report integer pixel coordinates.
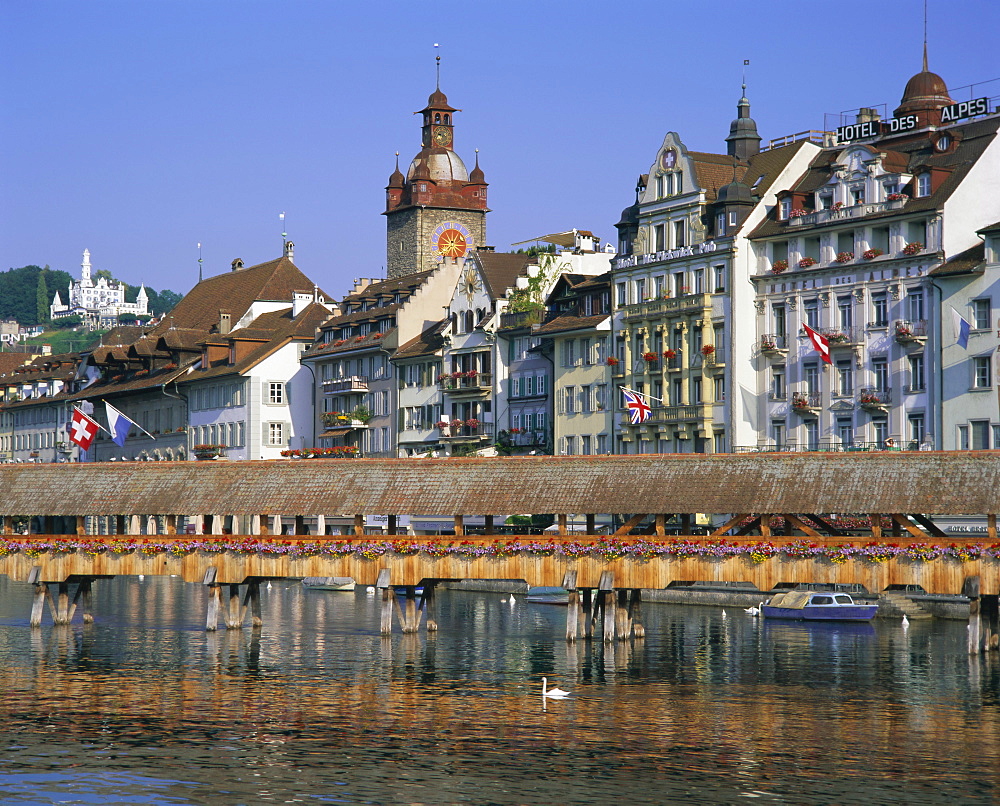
(925, 36)
(437, 60)
(199, 262)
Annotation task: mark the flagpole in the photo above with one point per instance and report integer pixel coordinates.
(105, 430)
(641, 394)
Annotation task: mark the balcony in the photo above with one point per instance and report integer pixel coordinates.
(459, 431)
(342, 422)
(526, 438)
(693, 413)
(466, 383)
(841, 336)
(846, 213)
(712, 360)
(651, 309)
(522, 318)
(910, 332)
(345, 386)
(773, 344)
(806, 405)
(875, 400)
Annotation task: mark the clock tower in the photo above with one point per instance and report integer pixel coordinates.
(438, 209)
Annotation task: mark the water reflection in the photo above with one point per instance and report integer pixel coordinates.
(317, 706)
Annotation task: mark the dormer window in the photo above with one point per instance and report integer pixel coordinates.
(891, 188)
(825, 201)
(732, 218)
(924, 185)
(784, 209)
(720, 224)
(857, 195)
(943, 142)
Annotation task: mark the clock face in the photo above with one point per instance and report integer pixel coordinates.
(442, 136)
(452, 239)
(668, 159)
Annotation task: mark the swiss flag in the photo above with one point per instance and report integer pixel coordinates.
(820, 343)
(83, 429)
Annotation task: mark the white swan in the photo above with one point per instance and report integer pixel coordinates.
(552, 693)
(511, 600)
(269, 584)
(370, 590)
(906, 621)
(723, 612)
(753, 611)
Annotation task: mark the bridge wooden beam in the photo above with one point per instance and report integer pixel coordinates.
(459, 526)
(561, 519)
(928, 524)
(904, 522)
(591, 524)
(728, 525)
(876, 522)
(801, 526)
(629, 525)
(765, 525)
(833, 530)
(359, 525)
(991, 526)
(747, 527)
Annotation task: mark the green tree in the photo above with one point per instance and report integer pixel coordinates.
(42, 299)
(66, 322)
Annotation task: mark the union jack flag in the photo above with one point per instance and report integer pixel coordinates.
(638, 408)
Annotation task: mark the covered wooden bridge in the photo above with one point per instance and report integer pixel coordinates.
(897, 497)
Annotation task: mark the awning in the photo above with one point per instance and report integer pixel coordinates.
(336, 432)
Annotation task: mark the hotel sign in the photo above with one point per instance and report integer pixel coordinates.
(631, 261)
(877, 128)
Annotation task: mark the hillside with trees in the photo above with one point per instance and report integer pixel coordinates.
(26, 293)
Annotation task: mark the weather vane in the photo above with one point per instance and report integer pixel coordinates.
(284, 235)
(199, 262)
(437, 59)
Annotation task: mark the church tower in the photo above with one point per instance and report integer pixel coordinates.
(438, 209)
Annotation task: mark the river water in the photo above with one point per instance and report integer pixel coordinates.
(145, 707)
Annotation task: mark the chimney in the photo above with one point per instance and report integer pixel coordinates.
(290, 250)
(225, 322)
(866, 114)
(300, 301)
(237, 264)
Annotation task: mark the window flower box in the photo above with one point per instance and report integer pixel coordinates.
(472, 422)
(650, 358)
(844, 257)
(708, 349)
(897, 197)
(871, 254)
(806, 262)
(669, 354)
(611, 361)
(779, 266)
(913, 248)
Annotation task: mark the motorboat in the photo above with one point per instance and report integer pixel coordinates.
(328, 584)
(817, 606)
(547, 595)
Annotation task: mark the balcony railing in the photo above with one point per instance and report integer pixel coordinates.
(773, 343)
(522, 318)
(459, 431)
(870, 398)
(673, 305)
(835, 445)
(459, 382)
(345, 386)
(908, 331)
(843, 336)
(805, 404)
(854, 211)
(676, 414)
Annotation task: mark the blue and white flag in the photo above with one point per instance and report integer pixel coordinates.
(119, 425)
(962, 328)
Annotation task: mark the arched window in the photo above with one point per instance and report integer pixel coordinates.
(454, 322)
(437, 118)
(470, 322)
(447, 118)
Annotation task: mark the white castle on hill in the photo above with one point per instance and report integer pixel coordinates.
(100, 303)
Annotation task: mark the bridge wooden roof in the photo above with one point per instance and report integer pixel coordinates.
(932, 483)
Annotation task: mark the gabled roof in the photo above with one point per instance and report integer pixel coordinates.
(426, 344)
(499, 270)
(235, 291)
(271, 331)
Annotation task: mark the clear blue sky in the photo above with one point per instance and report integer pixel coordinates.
(137, 129)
